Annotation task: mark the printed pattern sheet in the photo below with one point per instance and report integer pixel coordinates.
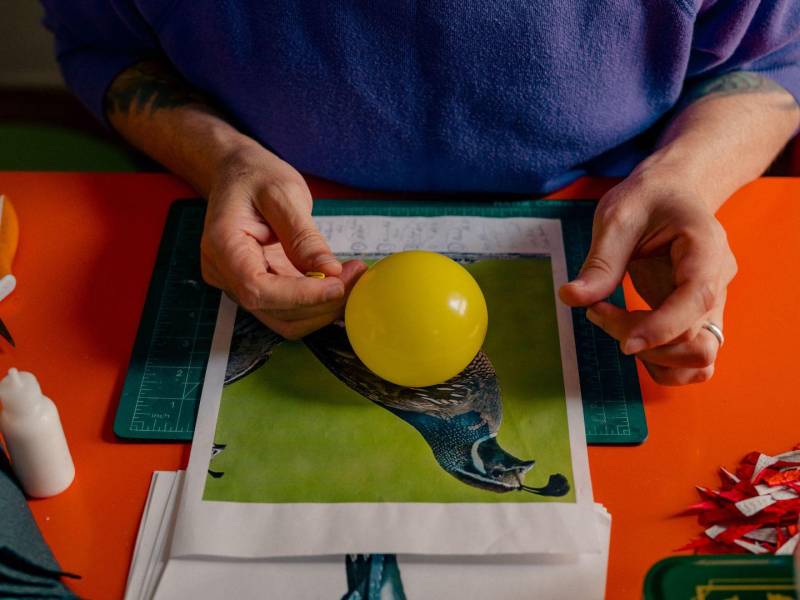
(299, 451)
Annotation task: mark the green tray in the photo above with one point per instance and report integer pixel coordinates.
(722, 577)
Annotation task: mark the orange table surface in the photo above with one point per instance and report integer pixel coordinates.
(87, 246)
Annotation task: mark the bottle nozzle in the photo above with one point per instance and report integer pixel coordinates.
(19, 391)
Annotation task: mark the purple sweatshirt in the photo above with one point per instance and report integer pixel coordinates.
(445, 95)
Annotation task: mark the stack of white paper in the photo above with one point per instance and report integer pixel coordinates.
(524, 576)
(311, 478)
(158, 520)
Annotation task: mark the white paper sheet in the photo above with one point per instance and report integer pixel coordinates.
(482, 235)
(545, 577)
(159, 556)
(253, 530)
(156, 499)
(157, 525)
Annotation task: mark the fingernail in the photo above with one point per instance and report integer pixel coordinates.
(577, 282)
(634, 345)
(334, 292)
(592, 316)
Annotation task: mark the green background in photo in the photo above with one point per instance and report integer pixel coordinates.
(295, 433)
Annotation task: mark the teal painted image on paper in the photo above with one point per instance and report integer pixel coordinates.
(307, 422)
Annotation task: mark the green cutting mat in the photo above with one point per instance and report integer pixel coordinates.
(721, 577)
(162, 389)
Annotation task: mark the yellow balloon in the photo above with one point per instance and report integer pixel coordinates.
(416, 318)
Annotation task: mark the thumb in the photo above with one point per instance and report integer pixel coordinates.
(304, 245)
(604, 267)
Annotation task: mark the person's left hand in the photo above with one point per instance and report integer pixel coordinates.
(678, 257)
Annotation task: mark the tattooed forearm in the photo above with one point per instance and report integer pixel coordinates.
(151, 106)
(740, 82)
(149, 86)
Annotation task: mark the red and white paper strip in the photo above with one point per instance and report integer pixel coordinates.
(755, 510)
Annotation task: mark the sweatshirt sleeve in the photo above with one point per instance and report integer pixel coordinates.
(762, 36)
(95, 40)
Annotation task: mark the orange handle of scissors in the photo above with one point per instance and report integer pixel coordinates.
(9, 239)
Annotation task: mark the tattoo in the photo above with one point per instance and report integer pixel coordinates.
(149, 85)
(739, 82)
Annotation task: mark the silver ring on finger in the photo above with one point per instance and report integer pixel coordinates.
(715, 330)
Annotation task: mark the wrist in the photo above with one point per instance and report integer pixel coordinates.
(670, 173)
(247, 164)
(237, 158)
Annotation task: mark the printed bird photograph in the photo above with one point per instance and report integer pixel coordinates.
(497, 431)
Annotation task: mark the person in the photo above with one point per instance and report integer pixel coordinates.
(687, 100)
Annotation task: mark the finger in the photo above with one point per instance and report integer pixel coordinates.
(688, 362)
(714, 316)
(351, 271)
(327, 313)
(698, 353)
(240, 260)
(287, 208)
(278, 292)
(669, 376)
(329, 309)
(615, 321)
(614, 236)
(620, 324)
(293, 330)
(699, 288)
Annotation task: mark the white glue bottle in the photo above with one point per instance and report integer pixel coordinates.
(35, 439)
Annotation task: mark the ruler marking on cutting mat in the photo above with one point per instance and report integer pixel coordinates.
(162, 389)
(180, 312)
(137, 410)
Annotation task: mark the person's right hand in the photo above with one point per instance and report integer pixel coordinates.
(259, 240)
(666, 235)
